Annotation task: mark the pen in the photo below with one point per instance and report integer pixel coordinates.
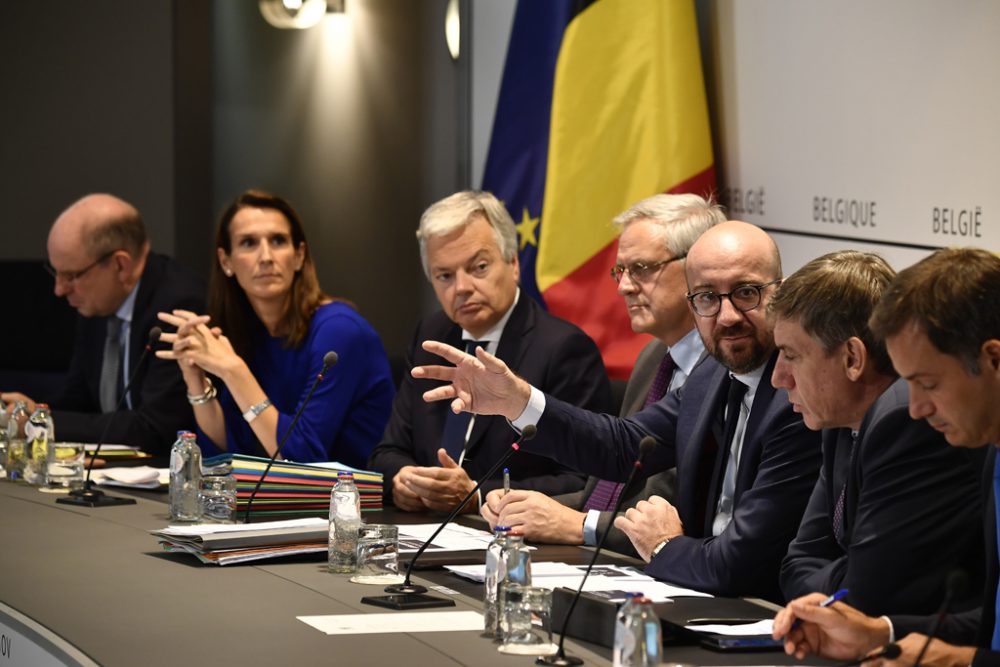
(836, 597)
(506, 481)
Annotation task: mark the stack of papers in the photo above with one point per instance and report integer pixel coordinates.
(610, 581)
(294, 490)
(219, 544)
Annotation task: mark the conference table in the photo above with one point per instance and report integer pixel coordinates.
(85, 586)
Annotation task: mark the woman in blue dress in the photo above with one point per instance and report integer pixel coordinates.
(268, 329)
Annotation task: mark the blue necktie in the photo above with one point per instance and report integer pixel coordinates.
(996, 503)
(457, 426)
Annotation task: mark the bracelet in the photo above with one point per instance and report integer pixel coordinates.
(209, 394)
(254, 410)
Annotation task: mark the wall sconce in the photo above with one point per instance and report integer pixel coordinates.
(453, 29)
(297, 14)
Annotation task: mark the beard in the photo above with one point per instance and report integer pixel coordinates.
(749, 354)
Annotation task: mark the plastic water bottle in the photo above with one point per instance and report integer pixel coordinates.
(638, 636)
(16, 447)
(345, 520)
(515, 561)
(185, 478)
(40, 436)
(494, 574)
(3, 438)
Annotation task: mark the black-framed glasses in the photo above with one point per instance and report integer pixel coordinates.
(743, 298)
(640, 271)
(73, 276)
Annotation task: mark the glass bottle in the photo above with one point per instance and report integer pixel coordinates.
(345, 520)
(638, 635)
(16, 446)
(494, 574)
(185, 478)
(39, 435)
(515, 561)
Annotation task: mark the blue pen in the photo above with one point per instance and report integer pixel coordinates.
(836, 597)
(506, 481)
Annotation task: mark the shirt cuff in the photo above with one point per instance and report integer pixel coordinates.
(892, 630)
(590, 528)
(532, 411)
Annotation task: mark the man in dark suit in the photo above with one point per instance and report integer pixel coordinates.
(889, 484)
(746, 463)
(940, 321)
(430, 458)
(100, 258)
(656, 234)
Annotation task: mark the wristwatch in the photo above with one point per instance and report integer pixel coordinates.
(254, 411)
(658, 547)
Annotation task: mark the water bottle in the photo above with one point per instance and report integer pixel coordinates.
(515, 561)
(40, 437)
(345, 520)
(3, 439)
(638, 636)
(494, 574)
(185, 478)
(16, 446)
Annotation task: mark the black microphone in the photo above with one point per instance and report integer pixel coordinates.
(88, 496)
(955, 586)
(329, 359)
(411, 596)
(560, 659)
(890, 651)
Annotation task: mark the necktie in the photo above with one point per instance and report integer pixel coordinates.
(111, 365)
(838, 509)
(726, 462)
(605, 493)
(456, 427)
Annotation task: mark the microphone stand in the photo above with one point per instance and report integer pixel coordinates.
(412, 596)
(329, 359)
(560, 659)
(955, 585)
(88, 496)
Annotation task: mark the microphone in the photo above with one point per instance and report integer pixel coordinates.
(88, 496)
(412, 596)
(329, 359)
(955, 586)
(560, 659)
(890, 651)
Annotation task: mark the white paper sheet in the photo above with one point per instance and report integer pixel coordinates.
(140, 477)
(764, 627)
(405, 622)
(452, 538)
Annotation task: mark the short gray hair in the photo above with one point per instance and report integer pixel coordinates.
(445, 216)
(681, 219)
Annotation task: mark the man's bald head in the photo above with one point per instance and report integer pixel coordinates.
(101, 223)
(741, 261)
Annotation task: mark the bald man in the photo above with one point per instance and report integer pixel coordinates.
(746, 463)
(100, 258)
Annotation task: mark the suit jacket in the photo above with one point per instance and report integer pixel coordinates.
(778, 467)
(975, 626)
(546, 351)
(663, 483)
(907, 492)
(159, 403)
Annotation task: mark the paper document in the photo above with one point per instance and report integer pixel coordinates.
(139, 477)
(452, 538)
(764, 627)
(407, 622)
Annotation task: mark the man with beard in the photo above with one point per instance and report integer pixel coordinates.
(746, 463)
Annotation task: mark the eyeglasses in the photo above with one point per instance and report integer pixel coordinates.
(73, 276)
(640, 271)
(743, 298)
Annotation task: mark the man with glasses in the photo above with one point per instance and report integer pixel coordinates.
(100, 258)
(430, 458)
(746, 463)
(656, 234)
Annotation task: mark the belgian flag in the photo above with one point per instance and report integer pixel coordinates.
(601, 104)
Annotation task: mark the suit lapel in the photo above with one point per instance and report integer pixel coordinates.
(511, 349)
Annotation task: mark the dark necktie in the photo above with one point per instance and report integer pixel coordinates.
(996, 503)
(111, 365)
(838, 508)
(606, 493)
(713, 457)
(457, 426)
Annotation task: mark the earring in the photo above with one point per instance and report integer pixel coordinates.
(228, 272)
